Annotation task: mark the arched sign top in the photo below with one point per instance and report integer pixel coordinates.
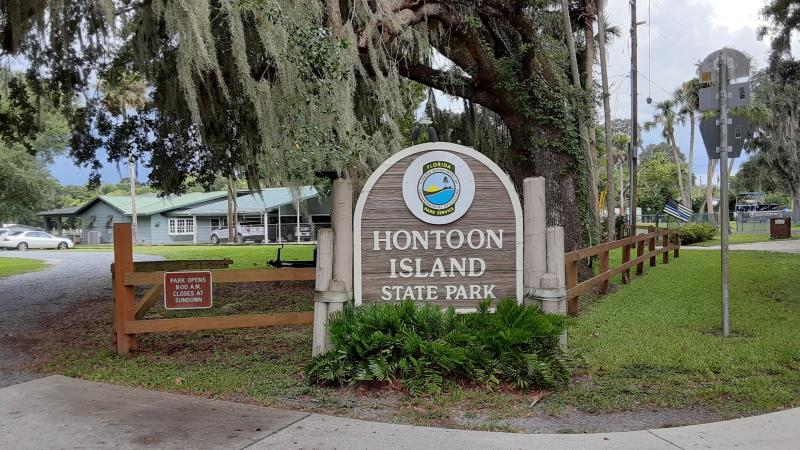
(738, 65)
(438, 223)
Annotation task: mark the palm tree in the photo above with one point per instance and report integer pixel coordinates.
(610, 195)
(667, 117)
(124, 92)
(582, 126)
(587, 15)
(688, 97)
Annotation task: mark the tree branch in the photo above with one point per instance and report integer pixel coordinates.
(450, 83)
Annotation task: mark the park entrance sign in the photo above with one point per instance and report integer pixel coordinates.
(438, 223)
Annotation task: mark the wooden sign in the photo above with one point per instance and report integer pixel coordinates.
(187, 290)
(438, 223)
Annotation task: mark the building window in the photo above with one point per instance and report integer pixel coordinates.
(219, 223)
(181, 226)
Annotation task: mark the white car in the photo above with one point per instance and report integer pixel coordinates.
(23, 240)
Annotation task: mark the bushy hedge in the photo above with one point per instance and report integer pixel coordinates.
(696, 232)
(424, 345)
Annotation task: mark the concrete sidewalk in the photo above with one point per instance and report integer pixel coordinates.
(59, 412)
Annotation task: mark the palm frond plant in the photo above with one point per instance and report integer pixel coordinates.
(422, 346)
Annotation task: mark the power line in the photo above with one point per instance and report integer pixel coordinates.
(654, 83)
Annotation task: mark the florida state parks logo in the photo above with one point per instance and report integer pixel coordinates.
(438, 187)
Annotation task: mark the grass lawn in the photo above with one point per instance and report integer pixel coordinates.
(244, 256)
(656, 343)
(13, 266)
(651, 346)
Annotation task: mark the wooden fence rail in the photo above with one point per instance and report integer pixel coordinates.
(128, 314)
(670, 240)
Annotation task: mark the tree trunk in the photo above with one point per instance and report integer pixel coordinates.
(621, 190)
(794, 193)
(132, 179)
(710, 191)
(677, 161)
(232, 209)
(560, 185)
(588, 84)
(582, 127)
(610, 200)
(691, 157)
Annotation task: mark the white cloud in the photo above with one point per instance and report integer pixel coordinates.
(734, 15)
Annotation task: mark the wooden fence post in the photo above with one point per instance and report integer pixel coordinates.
(342, 224)
(626, 256)
(677, 240)
(573, 306)
(124, 296)
(321, 284)
(651, 246)
(639, 253)
(535, 243)
(665, 246)
(604, 269)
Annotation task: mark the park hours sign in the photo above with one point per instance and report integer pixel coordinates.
(188, 290)
(438, 223)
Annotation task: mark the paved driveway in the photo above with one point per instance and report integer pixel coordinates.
(24, 299)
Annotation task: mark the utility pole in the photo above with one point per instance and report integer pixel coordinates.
(633, 152)
(723, 185)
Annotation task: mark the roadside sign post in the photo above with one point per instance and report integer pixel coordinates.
(723, 177)
(721, 67)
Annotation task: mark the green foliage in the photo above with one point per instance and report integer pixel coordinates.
(657, 179)
(783, 17)
(696, 232)
(423, 346)
(778, 198)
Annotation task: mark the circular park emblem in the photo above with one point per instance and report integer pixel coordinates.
(438, 187)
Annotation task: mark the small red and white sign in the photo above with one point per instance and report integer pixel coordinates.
(187, 290)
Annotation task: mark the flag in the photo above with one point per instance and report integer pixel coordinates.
(678, 211)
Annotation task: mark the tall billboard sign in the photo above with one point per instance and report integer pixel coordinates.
(438, 223)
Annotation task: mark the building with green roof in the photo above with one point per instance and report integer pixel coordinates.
(191, 218)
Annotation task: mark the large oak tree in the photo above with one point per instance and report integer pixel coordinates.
(279, 90)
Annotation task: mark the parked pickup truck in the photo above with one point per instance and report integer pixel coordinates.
(244, 232)
(255, 233)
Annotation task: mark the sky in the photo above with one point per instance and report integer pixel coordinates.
(678, 33)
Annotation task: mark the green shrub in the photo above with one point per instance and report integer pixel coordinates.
(696, 232)
(422, 346)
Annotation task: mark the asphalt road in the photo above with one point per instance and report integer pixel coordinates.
(26, 298)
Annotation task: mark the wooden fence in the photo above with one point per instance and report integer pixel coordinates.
(669, 240)
(128, 314)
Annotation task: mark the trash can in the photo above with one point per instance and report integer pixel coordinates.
(780, 228)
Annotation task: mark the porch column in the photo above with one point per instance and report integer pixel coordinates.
(194, 230)
(279, 236)
(297, 212)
